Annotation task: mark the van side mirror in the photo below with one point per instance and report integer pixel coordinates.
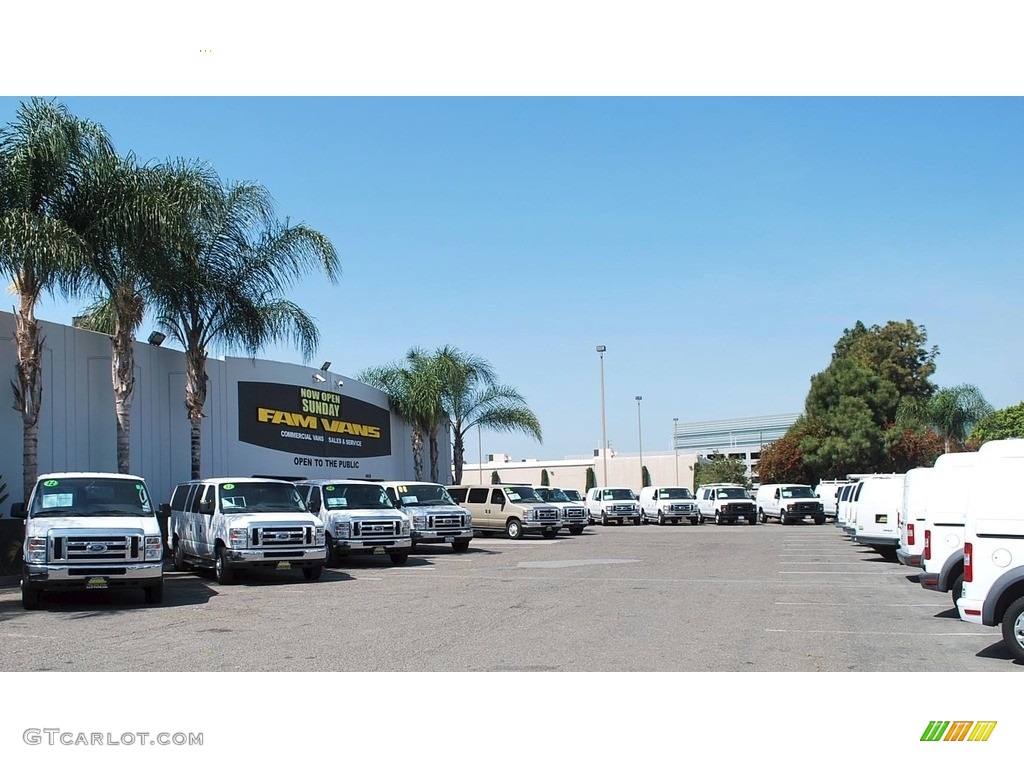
(314, 507)
(205, 507)
(165, 510)
(18, 510)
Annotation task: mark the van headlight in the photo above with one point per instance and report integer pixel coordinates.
(530, 514)
(343, 530)
(154, 548)
(419, 522)
(405, 526)
(238, 538)
(467, 521)
(319, 539)
(35, 549)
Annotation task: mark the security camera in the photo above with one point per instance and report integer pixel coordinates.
(318, 378)
(339, 383)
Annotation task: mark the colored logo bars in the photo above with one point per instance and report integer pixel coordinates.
(958, 730)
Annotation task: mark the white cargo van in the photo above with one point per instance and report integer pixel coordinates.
(876, 511)
(788, 503)
(917, 488)
(668, 504)
(942, 560)
(726, 503)
(90, 530)
(827, 492)
(993, 591)
(607, 504)
(844, 497)
(574, 512)
(434, 517)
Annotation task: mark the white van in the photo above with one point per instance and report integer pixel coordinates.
(726, 503)
(993, 591)
(827, 492)
(434, 517)
(662, 504)
(876, 511)
(942, 560)
(917, 489)
(844, 498)
(788, 503)
(90, 530)
(607, 504)
(574, 512)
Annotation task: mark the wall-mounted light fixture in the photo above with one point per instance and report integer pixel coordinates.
(325, 366)
(156, 338)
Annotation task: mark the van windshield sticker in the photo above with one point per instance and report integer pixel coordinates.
(334, 502)
(50, 483)
(52, 500)
(409, 499)
(228, 486)
(329, 488)
(512, 495)
(232, 501)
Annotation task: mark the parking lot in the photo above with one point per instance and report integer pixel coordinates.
(660, 599)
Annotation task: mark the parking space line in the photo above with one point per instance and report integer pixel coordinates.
(883, 605)
(847, 573)
(887, 634)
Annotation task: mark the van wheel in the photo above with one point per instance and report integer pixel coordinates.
(782, 518)
(604, 519)
(514, 529)
(155, 594)
(695, 521)
(957, 588)
(332, 555)
(718, 518)
(751, 520)
(819, 521)
(549, 534)
(661, 519)
(222, 570)
(399, 558)
(762, 516)
(30, 597)
(1013, 629)
(313, 574)
(460, 546)
(179, 557)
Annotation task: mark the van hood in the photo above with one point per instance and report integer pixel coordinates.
(142, 526)
(238, 519)
(367, 514)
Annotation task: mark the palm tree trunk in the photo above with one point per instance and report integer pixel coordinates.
(417, 453)
(434, 458)
(122, 366)
(195, 400)
(28, 390)
(459, 451)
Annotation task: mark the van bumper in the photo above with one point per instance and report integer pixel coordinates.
(873, 540)
(932, 581)
(532, 526)
(908, 558)
(441, 537)
(123, 576)
(397, 544)
(305, 556)
(971, 610)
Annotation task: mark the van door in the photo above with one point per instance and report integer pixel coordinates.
(202, 525)
(497, 509)
(476, 503)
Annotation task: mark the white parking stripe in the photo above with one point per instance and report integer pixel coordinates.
(911, 634)
(848, 573)
(883, 605)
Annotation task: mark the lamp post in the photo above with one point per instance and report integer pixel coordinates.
(675, 444)
(640, 439)
(480, 454)
(601, 348)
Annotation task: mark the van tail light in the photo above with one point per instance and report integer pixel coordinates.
(927, 544)
(968, 561)
(910, 534)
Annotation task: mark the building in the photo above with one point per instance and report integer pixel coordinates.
(262, 418)
(736, 438)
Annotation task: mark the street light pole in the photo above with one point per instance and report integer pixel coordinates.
(675, 444)
(480, 454)
(601, 348)
(640, 439)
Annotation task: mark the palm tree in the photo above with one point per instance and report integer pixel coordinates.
(413, 391)
(950, 412)
(43, 155)
(471, 396)
(224, 283)
(131, 217)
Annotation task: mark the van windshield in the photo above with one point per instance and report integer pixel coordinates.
(797, 492)
(733, 493)
(573, 495)
(425, 495)
(343, 496)
(91, 497)
(674, 493)
(618, 494)
(552, 494)
(522, 493)
(259, 497)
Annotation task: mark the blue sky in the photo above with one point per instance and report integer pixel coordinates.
(717, 246)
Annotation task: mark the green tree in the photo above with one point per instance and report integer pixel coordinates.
(896, 352)
(495, 479)
(645, 476)
(906, 448)
(544, 479)
(44, 152)
(951, 412)
(1000, 425)
(782, 461)
(591, 480)
(718, 468)
(471, 396)
(223, 282)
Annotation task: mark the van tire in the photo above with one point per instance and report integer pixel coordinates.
(30, 597)
(399, 558)
(332, 555)
(549, 534)
(762, 516)
(957, 588)
(661, 519)
(1013, 629)
(155, 594)
(222, 571)
(695, 520)
(752, 520)
(180, 564)
(782, 518)
(718, 518)
(460, 546)
(604, 519)
(313, 574)
(514, 528)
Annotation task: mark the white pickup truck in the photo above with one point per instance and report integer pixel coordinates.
(90, 530)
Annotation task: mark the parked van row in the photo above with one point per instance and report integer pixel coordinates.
(956, 522)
